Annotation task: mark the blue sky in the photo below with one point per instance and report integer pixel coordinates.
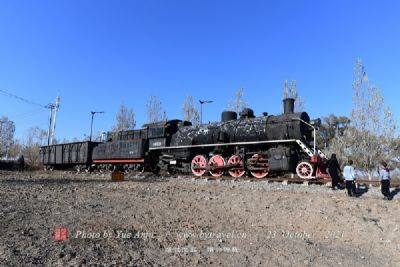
(99, 54)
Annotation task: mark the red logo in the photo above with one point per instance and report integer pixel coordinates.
(60, 234)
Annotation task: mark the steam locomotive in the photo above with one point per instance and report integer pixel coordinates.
(238, 145)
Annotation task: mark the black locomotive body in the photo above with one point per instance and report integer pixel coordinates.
(260, 146)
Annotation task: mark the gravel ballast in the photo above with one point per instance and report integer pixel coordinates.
(179, 221)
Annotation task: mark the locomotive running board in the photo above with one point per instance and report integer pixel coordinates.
(227, 144)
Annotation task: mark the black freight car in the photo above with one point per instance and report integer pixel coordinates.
(77, 154)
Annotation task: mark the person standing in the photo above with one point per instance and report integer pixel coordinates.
(21, 163)
(384, 176)
(349, 176)
(334, 171)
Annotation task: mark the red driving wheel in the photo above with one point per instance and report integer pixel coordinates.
(198, 161)
(238, 170)
(216, 161)
(259, 161)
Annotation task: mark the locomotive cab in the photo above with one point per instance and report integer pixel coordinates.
(160, 133)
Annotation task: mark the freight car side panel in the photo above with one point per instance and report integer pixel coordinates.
(68, 154)
(73, 154)
(59, 154)
(79, 152)
(52, 155)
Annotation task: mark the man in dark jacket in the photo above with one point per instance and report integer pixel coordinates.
(334, 171)
(21, 163)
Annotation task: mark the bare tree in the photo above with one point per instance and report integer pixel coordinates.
(36, 137)
(125, 119)
(299, 104)
(190, 112)
(99, 136)
(155, 112)
(238, 103)
(370, 136)
(7, 131)
(15, 149)
(331, 126)
(290, 91)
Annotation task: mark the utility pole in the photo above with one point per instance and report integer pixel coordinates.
(1, 131)
(52, 121)
(91, 123)
(53, 112)
(201, 108)
(1, 125)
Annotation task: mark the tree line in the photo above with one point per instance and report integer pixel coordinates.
(367, 136)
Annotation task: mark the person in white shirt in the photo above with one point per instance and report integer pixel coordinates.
(384, 176)
(349, 176)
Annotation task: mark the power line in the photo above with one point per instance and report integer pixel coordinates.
(30, 113)
(53, 112)
(21, 99)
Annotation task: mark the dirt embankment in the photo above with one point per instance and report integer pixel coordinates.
(184, 222)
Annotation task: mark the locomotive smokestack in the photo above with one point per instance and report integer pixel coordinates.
(288, 105)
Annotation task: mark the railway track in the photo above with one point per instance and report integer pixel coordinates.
(289, 180)
(278, 179)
